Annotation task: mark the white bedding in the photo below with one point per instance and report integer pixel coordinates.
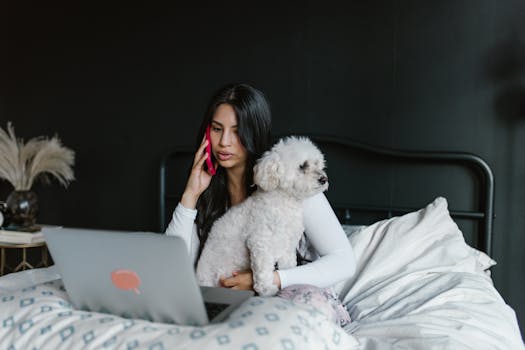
(418, 285)
(41, 317)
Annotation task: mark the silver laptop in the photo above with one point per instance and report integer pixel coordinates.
(136, 275)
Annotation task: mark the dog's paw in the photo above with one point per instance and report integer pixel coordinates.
(266, 290)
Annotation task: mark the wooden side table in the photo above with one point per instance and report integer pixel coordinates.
(24, 263)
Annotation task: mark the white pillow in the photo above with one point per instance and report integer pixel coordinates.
(413, 245)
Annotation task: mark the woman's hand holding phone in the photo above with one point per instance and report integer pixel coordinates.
(199, 178)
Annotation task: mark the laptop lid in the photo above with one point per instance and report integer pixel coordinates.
(132, 274)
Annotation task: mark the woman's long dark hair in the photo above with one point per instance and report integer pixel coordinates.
(254, 129)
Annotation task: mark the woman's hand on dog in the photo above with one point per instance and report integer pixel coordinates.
(243, 280)
(199, 179)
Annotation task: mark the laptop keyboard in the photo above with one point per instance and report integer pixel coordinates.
(213, 309)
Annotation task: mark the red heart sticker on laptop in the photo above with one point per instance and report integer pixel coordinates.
(126, 280)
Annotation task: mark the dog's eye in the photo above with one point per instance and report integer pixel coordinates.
(303, 166)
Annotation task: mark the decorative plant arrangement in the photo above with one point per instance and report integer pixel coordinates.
(21, 164)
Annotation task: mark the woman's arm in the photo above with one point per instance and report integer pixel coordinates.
(182, 225)
(337, 260)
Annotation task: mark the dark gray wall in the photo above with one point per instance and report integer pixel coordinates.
(122, 85)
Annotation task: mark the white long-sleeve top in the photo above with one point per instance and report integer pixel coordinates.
(336, 260)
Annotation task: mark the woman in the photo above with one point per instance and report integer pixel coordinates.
(240, 121)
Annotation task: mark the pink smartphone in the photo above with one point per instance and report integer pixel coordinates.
(209, 163)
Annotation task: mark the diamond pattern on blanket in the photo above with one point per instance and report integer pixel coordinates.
(197, 334)
(287, 344)
(45, 308)
(25, 325)
(262, 330)
(43, 317)
(26, 302)
(88, 337)
(46, 329)
(67, 333)
(223, 339)
(272, 317)
(236, 324)
(110, 342)
(7, 298)
(8, 322)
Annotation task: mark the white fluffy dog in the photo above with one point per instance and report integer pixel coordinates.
(262, 233)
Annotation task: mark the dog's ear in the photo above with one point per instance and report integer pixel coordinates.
(267, 171)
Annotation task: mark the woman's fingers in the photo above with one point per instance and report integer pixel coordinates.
(201, 161)
(200, 151)
(242, 280)
(228, 282)
(198, 180)
(222, 282)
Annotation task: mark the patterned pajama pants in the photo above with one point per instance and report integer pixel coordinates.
(324, 299)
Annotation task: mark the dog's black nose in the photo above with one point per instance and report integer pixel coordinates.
(322, 180)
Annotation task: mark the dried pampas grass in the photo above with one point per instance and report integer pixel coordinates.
(22, 163)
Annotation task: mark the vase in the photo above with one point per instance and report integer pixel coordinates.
(22, 209)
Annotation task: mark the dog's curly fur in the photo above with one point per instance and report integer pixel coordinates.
(262, 232)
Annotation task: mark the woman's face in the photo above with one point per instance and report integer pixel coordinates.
(225, 142)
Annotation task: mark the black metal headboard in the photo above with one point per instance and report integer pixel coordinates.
(175, 166)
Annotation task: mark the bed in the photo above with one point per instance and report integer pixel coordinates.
(423, 277)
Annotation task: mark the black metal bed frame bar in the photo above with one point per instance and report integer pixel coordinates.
(162, 184)
(391, 211)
